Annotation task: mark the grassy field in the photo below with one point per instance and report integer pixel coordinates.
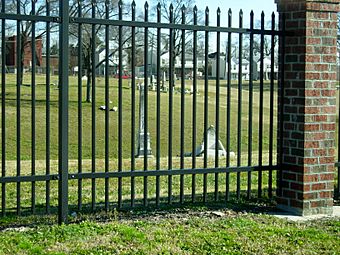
(40, 194)
(236, 227)
(26, 138)
(26, 123)
(185, 230)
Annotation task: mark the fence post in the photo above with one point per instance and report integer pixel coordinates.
(309, 50)
(63, 111)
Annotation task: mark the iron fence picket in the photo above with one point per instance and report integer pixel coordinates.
(250, 109)
(3, 109)
(228, 104)
(217, 101)
(260, 157)
(183, 10)
(80, 107)
(107, 106)
(171, 90)
(158, 106)
(120, 103)
(133, 103)
(63, 167)
(271, 109)
(18, 106)
(33, 110)
(145, 93)
(239, 106)
(206, 105)
(48, 107)
(194, 109)
(93, 105)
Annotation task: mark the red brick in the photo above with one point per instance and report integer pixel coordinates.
(318, 186)
(329, 59)
(289, 159)
(310, 161)
(326, 177)
(320, 84)
(327, 160)
(311, 127)
(320, 152)
(328, 93)
(296, 203)
(326, 194)
(289, 176)
(329, 109)
(312, 93)
(311, 178)
(312, 58)
(296, 186)
(311, 110)
(313, 41)
(282, 201)
(289, 194)
(311, 144)
(308, 196)
(328, 76)
(320, 118)
(328, 127)
(316, 204)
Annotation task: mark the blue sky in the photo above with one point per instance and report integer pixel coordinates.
(268, 6)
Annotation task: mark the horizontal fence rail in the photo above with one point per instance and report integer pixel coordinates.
(149, 102)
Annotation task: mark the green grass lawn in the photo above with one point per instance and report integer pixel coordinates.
(40, 168)
(183, 230)
(26, 139)
(40, 195)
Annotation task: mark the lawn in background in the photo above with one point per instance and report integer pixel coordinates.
(26, 123)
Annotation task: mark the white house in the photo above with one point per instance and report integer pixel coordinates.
(267, 68)
(245, 68)
(235, 68)
(113, 60)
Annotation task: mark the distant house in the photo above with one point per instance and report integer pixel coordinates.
(267, 69)
(113, 61)
(245, 68)
(234, 67)
(11, 51)
(188, 65)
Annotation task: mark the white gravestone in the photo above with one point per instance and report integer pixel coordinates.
(211, 145)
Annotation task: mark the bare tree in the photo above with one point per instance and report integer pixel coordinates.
(94, 35)
(188, 8)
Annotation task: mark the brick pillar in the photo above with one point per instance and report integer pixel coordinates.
(309, 106)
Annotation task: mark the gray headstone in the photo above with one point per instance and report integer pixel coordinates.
(140, 138)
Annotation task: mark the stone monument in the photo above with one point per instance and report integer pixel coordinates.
(211, 145)
(140, 147)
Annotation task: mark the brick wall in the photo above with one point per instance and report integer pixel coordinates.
(309, 105)
(11, 54)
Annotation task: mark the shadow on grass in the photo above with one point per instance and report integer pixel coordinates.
(140, 212)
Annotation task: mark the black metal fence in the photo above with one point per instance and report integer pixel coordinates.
(87, 159)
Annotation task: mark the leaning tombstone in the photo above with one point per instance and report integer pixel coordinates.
(211, 146)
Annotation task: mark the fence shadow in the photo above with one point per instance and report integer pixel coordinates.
(140, 212)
